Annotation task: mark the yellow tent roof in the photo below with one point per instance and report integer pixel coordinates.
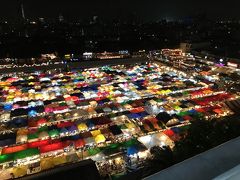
(82, 127)
(95, 133)
(130, 125)
(168, 91)
(100, 138)
(19, 171)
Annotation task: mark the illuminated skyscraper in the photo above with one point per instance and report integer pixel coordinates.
(23, 17)
(22, 9)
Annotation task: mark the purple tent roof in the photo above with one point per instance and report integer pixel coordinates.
(72, 128)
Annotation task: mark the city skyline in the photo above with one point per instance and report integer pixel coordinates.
(144, 10)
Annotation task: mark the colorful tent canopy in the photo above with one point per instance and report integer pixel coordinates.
(26, 153)
(53, 133)
(65, 124)
(218, 111)
(9, 150)
(94, 151)
(132, 150)
(51, 147)
(82, 127)
(38, 143)
(6, 158)
(41, 121)
(79, 143)
(187, 117)
(100, 138)
(33, 136)
(95, 132)
(169, 132)
(63, 131)
(72, 129)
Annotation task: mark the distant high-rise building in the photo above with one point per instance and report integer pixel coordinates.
(22, 9)
(61, 18)
(82, 32)
(41, 20)
(23, 18)
(94, 20)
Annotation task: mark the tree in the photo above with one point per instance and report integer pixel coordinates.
(204, 135)
(161, 158)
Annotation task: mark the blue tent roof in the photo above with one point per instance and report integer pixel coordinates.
(133, 116)
(192, 111)
(63, 131)
(175, 130)
(76, 137)
(143, 114)
(132, 150)
(90, 124)
(32, 113)
(7, 107)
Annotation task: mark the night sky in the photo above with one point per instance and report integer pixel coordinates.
(144, 9)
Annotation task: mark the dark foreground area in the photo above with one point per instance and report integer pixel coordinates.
(85, 170)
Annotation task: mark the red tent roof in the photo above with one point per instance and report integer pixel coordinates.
(9, 150)
(38, 143)
(41, 121)
(65, 124)
(169, 132)
(187, 117)
(137, 110)
(218, 111)
(200, 110)
(79, 143)
(72, 98)
(32, 123)
(153, 120)
(51, 147)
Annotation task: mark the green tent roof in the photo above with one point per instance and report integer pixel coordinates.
(26, 153)
(183, 113)
(43, 128)
(124, 103)
(62, 104)
(53, 133)
(6, 158)
(158, 100)
(111, 146)
(130, 143)
(33, 136)
(94, 151)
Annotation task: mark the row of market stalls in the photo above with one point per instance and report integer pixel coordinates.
(106, 114)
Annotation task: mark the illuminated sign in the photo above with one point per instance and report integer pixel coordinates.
(67, 56)
(232, 64)
(123, 52)
(87, 54)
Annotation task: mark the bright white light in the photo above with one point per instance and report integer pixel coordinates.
(163, 138)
